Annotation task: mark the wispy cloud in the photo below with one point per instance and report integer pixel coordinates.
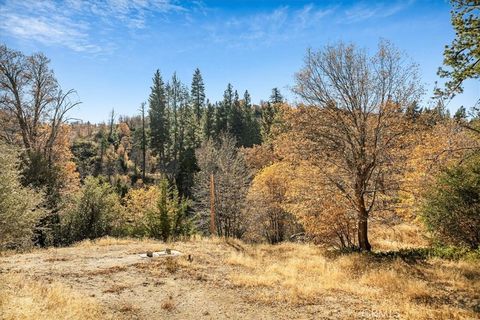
(101, 26)
(280, 24)
(74, 23)
(374, 10)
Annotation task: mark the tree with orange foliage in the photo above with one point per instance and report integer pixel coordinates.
(324, 213)
(352, 131)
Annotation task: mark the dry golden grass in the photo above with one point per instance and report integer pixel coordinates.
(24, 298)
(300, 274)
(401, 236)
(286, 281)
(108, 241)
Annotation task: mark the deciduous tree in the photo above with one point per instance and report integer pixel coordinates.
(354, 125)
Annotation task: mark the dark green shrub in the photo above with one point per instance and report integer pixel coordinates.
(451, 209)
(96, 212)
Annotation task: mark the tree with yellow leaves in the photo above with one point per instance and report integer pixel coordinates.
(267, 197)
(434, 149)
(138, 203)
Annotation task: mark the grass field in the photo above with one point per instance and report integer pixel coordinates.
(107, 279)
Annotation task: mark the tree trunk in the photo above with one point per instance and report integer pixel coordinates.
(363, 230)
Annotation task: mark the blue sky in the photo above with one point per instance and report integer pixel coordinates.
(108, 50)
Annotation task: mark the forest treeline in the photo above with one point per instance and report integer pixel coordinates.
(360, 147)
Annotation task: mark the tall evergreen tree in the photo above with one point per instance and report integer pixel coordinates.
(276, 96)
(251, 133)
(208, 122)
(198, 95)
(237, 121)
(174, 101)
(159, 122)
(189, 141)
(224, 112)
(247, 100)
(228, 99)
(269, 112)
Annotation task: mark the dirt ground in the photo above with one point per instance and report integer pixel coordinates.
(127, 286)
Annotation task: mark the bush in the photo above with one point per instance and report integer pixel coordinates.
(169, 219)
(451, 209)
(139, 203)
(19, 212)
(96, 212)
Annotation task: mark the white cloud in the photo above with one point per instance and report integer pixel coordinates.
(278, 25)
(94, 26)
(372, 10)
(56, 31)
(72, 23)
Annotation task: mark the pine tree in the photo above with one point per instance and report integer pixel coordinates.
(174, 101)
(223, 114)
(198, 95)
(186, 171)
(228, 99)
(159, 122)
(208, 122)
(269, 112)
(188, 142)
(237, 122)
(183, 131)
(247, 100)
(462, 56)
(276, 96)
(251, 133)
(220, 116)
